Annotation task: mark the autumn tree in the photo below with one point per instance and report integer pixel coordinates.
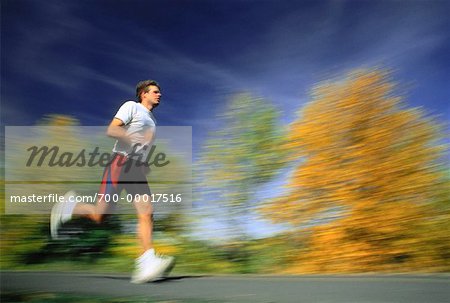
(365, 181)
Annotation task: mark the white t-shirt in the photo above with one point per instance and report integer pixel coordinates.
(140, 125)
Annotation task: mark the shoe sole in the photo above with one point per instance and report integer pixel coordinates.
(169, 269)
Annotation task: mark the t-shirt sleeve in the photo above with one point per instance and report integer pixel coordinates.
(125, 112)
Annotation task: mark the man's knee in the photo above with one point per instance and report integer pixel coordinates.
(97, 218)
(144, 209)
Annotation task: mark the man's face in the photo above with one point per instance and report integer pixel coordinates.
(153, 95)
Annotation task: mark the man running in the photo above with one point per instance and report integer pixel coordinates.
(133, 127)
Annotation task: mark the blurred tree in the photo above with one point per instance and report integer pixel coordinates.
(366, 179)
(244, 154)
(60, 135)
(25, 238)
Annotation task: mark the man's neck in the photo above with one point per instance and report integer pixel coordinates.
(147, 105)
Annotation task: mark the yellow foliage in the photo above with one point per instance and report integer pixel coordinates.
(371, 163)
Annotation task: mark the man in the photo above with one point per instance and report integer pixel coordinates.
(133, 127)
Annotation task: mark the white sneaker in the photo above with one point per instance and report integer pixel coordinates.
(150, 267)
(61, 213)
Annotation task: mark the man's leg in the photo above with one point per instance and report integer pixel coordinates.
(65, 211)
(144, 211)
(94, 212)
(149, 266)
(110, 185)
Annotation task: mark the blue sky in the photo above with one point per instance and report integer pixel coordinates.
(84, 57)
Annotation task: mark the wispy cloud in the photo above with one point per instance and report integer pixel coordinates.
(286, 52)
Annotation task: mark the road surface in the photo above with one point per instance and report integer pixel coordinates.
(242, 288)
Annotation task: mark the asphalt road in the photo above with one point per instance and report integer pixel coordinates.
(298, 289)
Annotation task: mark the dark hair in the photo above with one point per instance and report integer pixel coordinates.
(143, 87)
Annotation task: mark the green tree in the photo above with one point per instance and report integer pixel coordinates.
(244, 154)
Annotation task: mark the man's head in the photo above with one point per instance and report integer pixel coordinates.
(149, 91)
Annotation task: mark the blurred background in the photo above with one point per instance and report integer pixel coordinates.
(319, 129)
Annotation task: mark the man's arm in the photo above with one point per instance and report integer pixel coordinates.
(116, 130)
